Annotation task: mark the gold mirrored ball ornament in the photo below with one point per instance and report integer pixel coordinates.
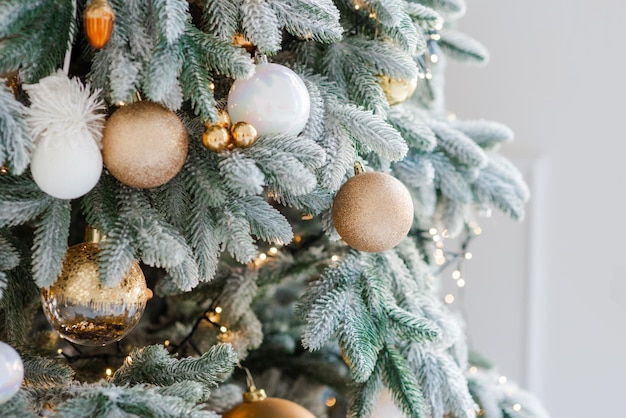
(244, 134)
(85, 312)
(216, 138)
(257, 405)
(397, 91)
(144, 144)
(223, 119)
(373, 212)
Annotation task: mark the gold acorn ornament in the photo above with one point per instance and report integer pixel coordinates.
(85, 312)
(144, 145)
(372, 211)
(397, 91)
(98, 19)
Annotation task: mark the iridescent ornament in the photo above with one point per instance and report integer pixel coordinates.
(11, 372)
(98, 19)
(144, 145)
(274, 100)
(84, 311)
(397, 91)
(256, 404)
(373, 211)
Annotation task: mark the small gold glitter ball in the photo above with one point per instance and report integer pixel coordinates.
(216, 138)
(397, 91)
(373, 212)
(85, 312)
(244, 134)
(144, 145)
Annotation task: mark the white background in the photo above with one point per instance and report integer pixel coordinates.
(546, 299)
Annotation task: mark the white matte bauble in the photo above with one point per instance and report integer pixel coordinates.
(274, 100)
(11, 372)
(66, 169)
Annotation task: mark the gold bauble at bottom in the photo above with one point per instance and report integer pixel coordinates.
(85, 312)
(397, 91)
(144, 145)
(216, 138)
(269, 408)
(244, 134)
(373, 212)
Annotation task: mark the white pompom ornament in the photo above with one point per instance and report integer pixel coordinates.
(11, 372)
(274, 100)
(66, 122)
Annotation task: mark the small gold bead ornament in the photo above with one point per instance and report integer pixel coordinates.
(216, 138)
(244, 134)
(397, 91)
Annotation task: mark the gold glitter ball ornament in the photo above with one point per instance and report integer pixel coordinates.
(85, 312)
(397, 91)
(244, 134)
(373, 212)
(257, 405)
(144, 145)
(216, 138)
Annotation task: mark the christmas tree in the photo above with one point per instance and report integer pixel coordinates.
(204, 198)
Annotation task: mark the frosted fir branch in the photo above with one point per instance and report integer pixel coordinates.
(195, 81)
(160, 244)
(16, 145)
(363, 398)
(202, 234)
(463, 48)
(160, 83)
(452, 8)
(365, 90)
(410, 326)
(387, 12)
(241, 174)
(237, 293)
(380, 58)
(173, 201)
(425, 16)
(406, 36)
(100, 205)
(21, 200)
(222, 18)
(490, 188)
(413, 128)
(402, 383)
(190, 391)
(202, 177)
(18, 406)
(372, 132)
(283, 171)
(117, 253)
(63, 109)
(307, 151)
(317, 20)
(186, 275)
(261, 26)
(507, 170)
(486, 134)
(415, 171)
(50, 242)
(315, 202)
(266, 222)
(35, 36)
(324, 317)
(459, 146)
(171, 18)
(317, 117)
(235, 230)
(449, 180)
(340, 155)
(9, 255)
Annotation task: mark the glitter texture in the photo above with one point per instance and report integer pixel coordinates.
(373, 212)
(144, 145)
(82, 310)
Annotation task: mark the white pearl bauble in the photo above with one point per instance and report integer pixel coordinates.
(66, 169)
(11, 372)
(274, 100)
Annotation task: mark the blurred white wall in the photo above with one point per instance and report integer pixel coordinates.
(547, 299)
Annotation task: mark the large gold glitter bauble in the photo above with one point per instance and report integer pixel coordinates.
(397, 91)
(244, 134)
(85, 312)
(255, 406)
(373, 211)
(144, 145)
(216, 138)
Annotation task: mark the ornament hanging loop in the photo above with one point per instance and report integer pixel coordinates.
(358, 168)
(253, 394)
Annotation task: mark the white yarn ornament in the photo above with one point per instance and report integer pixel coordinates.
(66, 120)
(274, 100)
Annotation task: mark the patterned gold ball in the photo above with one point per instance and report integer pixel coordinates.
(397, 91)
(216, 138)
(269, 408)
(144, 145)
(85, 312)
(244, 134)
(373, 211)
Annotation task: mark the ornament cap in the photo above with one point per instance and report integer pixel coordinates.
(93, 235)
(254, 395)
(358, 168)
